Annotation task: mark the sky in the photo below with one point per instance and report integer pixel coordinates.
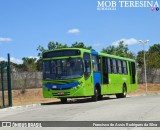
(26, 24)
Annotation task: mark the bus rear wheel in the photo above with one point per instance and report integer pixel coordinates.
(63, 100)
(123, 94)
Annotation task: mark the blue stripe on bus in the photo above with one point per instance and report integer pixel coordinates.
(61, 86)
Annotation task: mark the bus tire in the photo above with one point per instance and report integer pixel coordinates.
(100, 97)
(95, 96)
(124, 92)
(63, 100)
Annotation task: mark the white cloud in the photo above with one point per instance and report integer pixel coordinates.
(2, 59)
(130, 41)
(34, 57)
(12, 59)
(74, 31)
(5, 39)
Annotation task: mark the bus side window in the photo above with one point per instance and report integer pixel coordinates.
(133, 68)
(114, 66)
(124, 66)
(119, 66)
(133, 72)
(95, 63)
(87, 65)
(109, 65)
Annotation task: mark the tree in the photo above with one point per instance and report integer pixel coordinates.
(152, 57)
(120, 50)
(110, 50)
(51, 46)
(41, 50)
(153, 60)
(155, 48)
(27, 68)
(57, 45)
(29, 64)
(80, 45)
(140, 59)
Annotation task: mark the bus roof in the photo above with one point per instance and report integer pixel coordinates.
(114, 56)
(91, 51)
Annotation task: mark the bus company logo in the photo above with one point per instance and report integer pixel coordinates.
(106, 5)
(6, 124)
(113, 4)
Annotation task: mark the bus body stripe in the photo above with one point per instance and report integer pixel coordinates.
(61, 86)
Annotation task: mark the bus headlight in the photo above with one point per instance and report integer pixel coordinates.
(54, 87)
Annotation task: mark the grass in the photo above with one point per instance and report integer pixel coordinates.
(34, 96)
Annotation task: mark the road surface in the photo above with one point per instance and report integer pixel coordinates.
(136, 108)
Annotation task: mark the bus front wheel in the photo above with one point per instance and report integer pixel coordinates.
(95, 96)
(63, 100)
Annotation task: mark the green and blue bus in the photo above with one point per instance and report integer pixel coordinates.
(75, 72)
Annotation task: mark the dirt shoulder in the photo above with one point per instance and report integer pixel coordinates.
(151, 89)
(34, 96)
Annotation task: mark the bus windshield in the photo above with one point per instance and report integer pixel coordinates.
(62, 69)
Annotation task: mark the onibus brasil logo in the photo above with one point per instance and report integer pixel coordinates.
(112, 4)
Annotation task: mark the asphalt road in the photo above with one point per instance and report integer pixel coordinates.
(137, 108)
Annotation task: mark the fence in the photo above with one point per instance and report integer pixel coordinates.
(23, 80)
(153, 76)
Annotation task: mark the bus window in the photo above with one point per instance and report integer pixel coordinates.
(114, 66)
(95, 63)
(87, 65)
(119, 66)
(109, 65)
(124, 67)
(133, 69)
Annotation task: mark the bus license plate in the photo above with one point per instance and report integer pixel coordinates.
(61, 93)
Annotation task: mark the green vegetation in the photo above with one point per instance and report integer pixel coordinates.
(152, 55)
(29, 64)
(120, 50)
(57, 45)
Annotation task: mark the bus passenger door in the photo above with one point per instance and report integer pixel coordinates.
(105, 71)
(132, 69)
(96, 69)
(87, 74)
